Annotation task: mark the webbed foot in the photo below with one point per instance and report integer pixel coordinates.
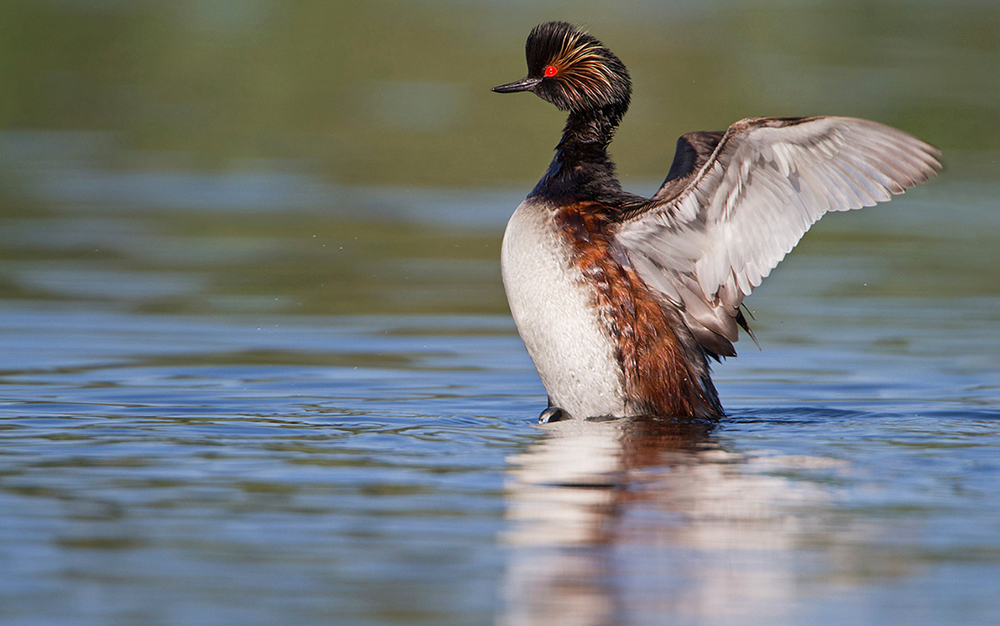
(552, 414)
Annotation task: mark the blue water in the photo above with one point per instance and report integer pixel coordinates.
(378, 470)
(189, 436)
(257, 368)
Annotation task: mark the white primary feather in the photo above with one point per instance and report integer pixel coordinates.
(766, 183)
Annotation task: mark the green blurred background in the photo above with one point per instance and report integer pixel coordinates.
(235, 156)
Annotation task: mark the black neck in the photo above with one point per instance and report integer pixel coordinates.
(589, 132)
(581, 168)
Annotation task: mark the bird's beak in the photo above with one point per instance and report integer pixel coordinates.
(525, 84)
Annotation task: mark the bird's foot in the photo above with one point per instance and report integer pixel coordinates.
(552, 414)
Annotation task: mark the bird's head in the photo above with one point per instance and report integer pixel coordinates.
(574, 71)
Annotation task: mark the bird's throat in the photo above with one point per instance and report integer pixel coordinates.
(588, 134)
(581, 168)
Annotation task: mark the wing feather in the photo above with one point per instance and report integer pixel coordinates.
(736, 203)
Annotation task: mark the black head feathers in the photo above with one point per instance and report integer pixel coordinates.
(574, 71)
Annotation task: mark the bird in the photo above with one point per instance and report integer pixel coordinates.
(623, 302)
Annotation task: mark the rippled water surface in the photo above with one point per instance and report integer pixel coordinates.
(256, 365)
(376, 469)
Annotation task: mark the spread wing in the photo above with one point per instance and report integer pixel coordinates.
(738, 204)
(693, 151)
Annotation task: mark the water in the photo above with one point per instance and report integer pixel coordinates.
(256, 365)
(152, 472)
(378, 469)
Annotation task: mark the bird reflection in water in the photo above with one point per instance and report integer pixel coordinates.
(627, 517)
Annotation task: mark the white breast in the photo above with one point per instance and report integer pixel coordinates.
(553, 308)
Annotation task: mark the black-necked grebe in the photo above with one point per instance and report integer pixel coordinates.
(620, 299)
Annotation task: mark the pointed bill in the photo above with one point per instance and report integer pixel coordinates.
(525, 84)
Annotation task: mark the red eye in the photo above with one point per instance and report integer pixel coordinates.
(550, 71)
